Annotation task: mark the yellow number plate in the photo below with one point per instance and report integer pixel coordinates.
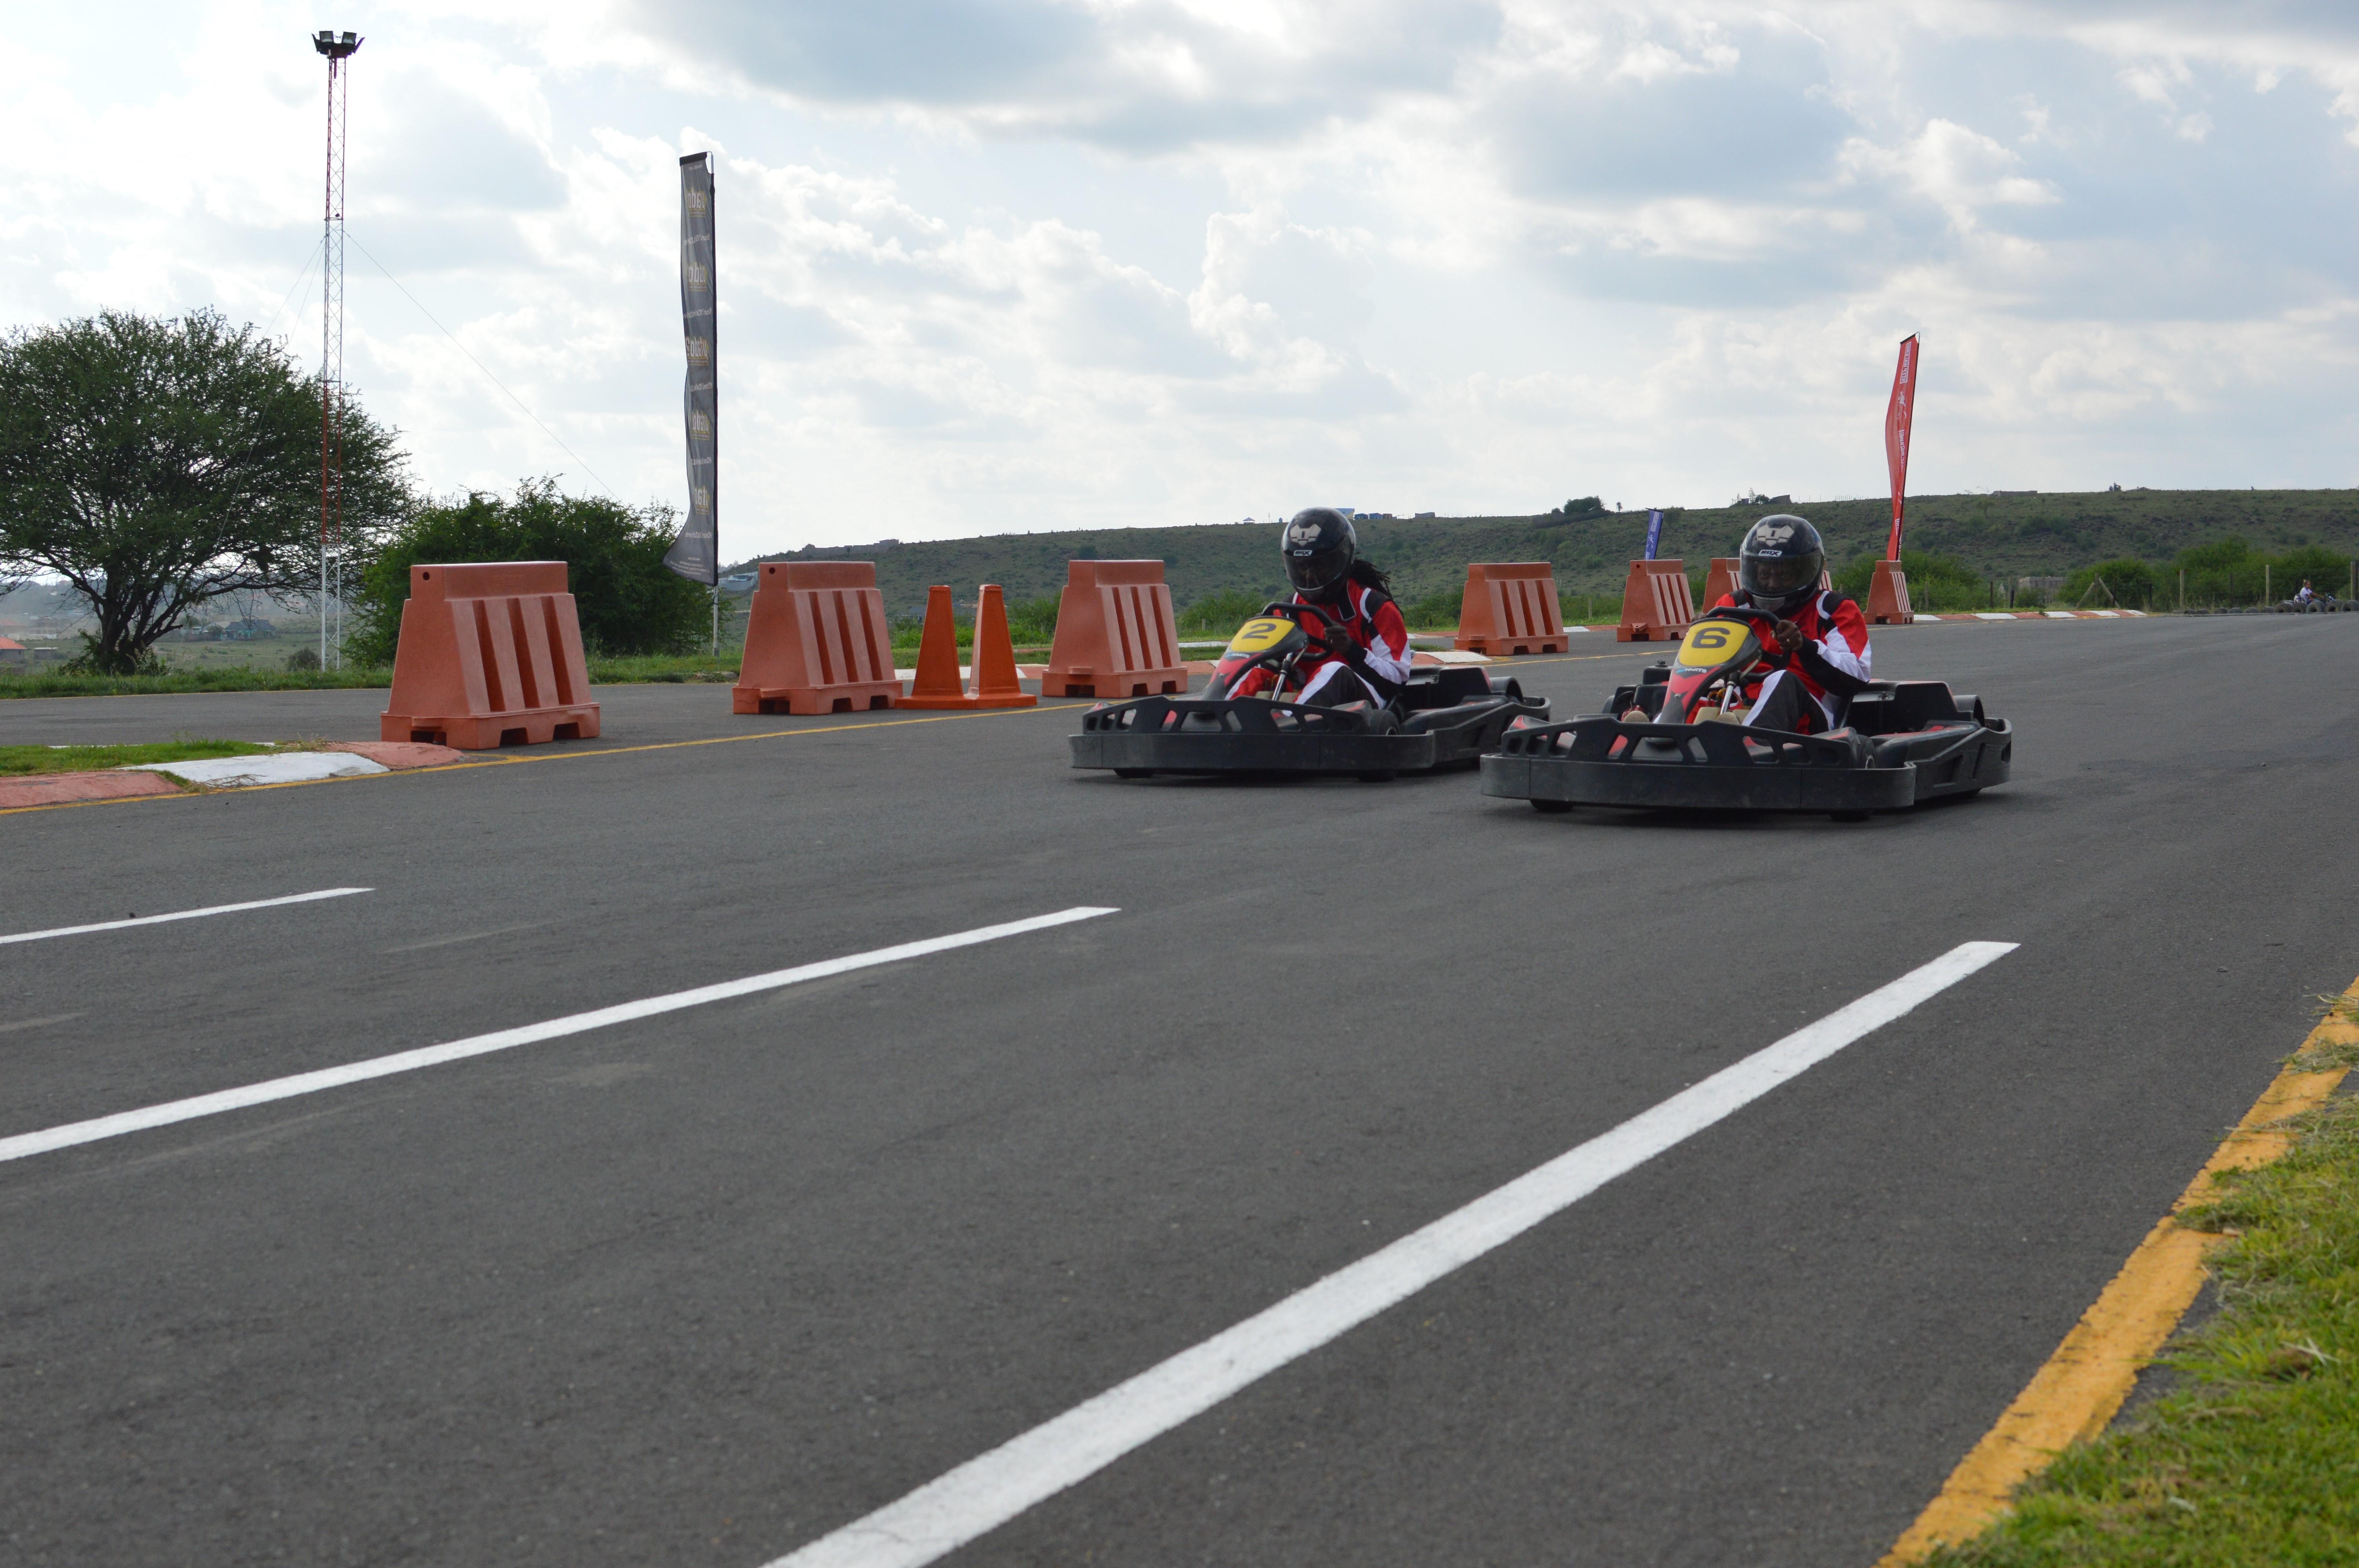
(1260, 636)
(1711, 642)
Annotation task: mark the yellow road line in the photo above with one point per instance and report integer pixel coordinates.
(556, 756)
(2077, 1392)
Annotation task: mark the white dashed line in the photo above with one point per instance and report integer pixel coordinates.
(986, 1492)
(116, 1125)
(183, 914)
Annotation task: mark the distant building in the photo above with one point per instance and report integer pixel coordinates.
(250, 629)
(13, 655)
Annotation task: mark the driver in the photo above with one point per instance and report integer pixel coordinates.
(1819, 651)
(1366, 641)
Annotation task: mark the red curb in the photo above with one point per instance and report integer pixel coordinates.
(102, 784)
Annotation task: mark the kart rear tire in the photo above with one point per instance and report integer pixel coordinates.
(1551, 806)
(1133, 773)
(1384, 778)
(1851, 815)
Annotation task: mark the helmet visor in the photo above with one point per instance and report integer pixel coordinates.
(1310, 570)
(1774, 577)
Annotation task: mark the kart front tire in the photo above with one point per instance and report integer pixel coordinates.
(1851, 815)
(1133, 773)
(1551, 806)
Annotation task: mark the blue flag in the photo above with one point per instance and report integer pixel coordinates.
(1654, 532)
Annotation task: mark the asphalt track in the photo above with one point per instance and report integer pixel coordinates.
(702, 1288)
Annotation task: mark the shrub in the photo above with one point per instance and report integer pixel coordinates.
(2234, 553)
(2130, 580)
(1439, 608)
(2327, 571)
(1935, 582)
(629, 601)
(1224, 611)
(1033, 621)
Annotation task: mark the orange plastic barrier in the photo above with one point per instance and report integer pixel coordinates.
(1719, 581)
(1655, 606)
(1510, 607)
(1887, 596)
(816, 642)
(995, 681)
(1116, 633)
(490, 656)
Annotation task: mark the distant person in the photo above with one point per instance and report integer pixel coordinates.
(1817, 653)
(1367, 640)
(2306, 596)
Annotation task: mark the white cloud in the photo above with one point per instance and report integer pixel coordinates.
(991, 263)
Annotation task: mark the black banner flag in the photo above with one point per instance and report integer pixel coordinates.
(697, 552)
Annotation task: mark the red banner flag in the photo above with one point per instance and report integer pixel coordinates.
(1896, 434)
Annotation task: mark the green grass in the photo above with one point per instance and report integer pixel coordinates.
(640, 668)
(21, 760)
(233, 678)
(2251, 1461)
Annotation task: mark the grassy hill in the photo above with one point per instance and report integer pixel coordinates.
(1994, 536)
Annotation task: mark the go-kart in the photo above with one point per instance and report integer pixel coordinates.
(1438, 717)
(1677, 739)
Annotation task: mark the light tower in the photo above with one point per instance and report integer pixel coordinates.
(338, 48)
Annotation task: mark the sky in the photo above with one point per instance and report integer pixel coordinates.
(995, 265)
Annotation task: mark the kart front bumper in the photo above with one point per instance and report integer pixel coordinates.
(1250, 735)
(1727, 767)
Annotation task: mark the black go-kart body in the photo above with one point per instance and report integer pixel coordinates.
(1895, 744)
(1436, 719)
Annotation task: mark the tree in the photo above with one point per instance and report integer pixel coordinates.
(156, 464)
(629, 601)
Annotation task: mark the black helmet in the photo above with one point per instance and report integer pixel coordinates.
(1780, 561)
(1319, 547)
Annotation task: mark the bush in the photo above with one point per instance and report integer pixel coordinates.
(2131, 582)
(1935, 582)
(1439, 608)
(2234, 553)
(2327, 572)
(303, 659)
(1033, 622)
(2229, 571)
(629, 601)
(1222, 612)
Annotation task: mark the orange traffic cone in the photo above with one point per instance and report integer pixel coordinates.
(995, 681)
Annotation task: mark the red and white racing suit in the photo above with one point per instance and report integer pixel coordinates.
(1379, 648)
(1834, 659)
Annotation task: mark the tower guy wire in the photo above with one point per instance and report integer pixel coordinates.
(479, 365)
(301, 279)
